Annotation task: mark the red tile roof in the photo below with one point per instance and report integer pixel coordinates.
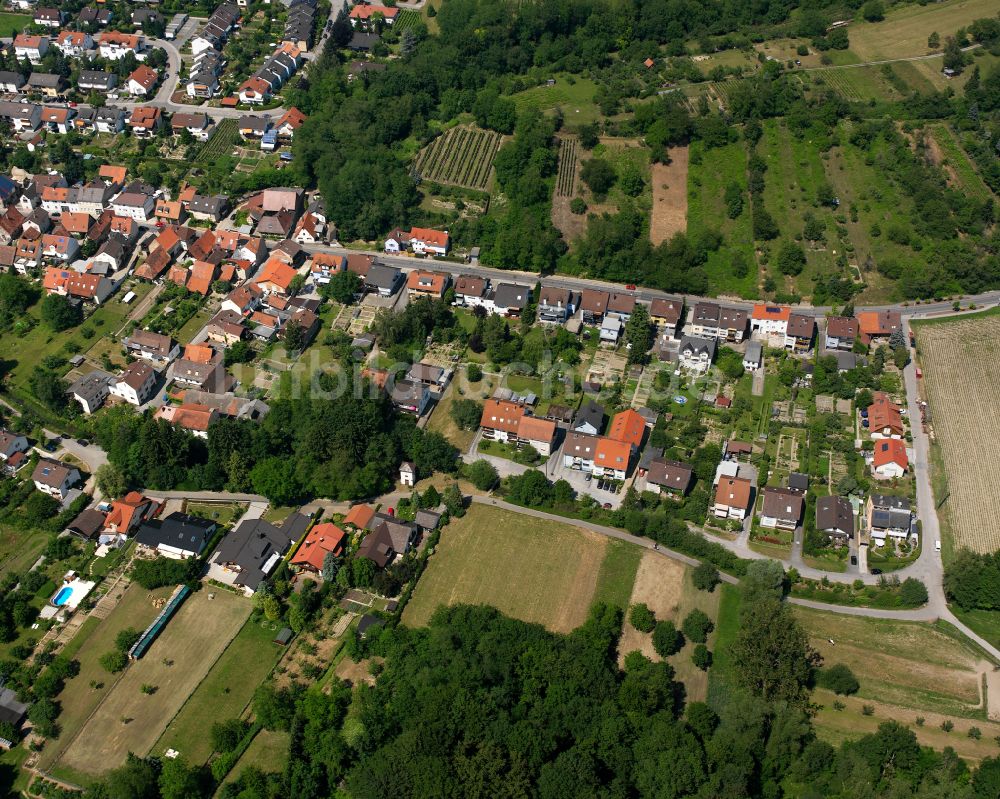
(628, 426)
(321, 539)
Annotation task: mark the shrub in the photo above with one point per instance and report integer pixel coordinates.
(867, 710)
(838, 705)
(701, 657)
(114, 661)
(912, 592)
(705, 577)
(226, 735)
(697, 626)
(667, 640)
(920, 721)
(642, 618)
(474, 372)
(839, 679)
(975, 733)
(947, 725)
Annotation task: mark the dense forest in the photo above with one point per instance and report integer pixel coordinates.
(480, 705)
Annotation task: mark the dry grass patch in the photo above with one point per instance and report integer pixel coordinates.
(670, 200)
(531, 569)
(905, 29)
(129, 720)
(961, 362)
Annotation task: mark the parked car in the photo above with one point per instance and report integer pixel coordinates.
(876, 571)
(854, 560)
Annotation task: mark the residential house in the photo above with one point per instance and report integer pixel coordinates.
(753, 358)
(431, 376)
(91, 390)
(421, 241)
(386, 280)
(889, 459)
(190, 416)
(732, 498)
(889, 517)
(500, 420)
(114, 45)
(136, 384)
(612, 459)
(48, 18)
(538, 433)
(696, 354)
(846, 361)
(11, 444)
(628, 426)
(471, 291)
(508, 299)
(363, 16)
(77, 285)
(142, 80)
(325, 265)
(770, 320)
(781, 508)
(31, 47)
(11, 82)
(210, 208)
(23, 117)
(55, 478)
(63, 249)
(885, 419)
(95, 16)
(134, 205)
(878, 325)
(841, 332)
(50, 86)
(144, 121)
(275, 277)
(249, 554)
(289, 122)
(835, 518)
(799, 332)
(177, 536)
(253, 127)
(309, 229)
(128, 513)
(427, 284)
(667, 314)
(200, 366)
(593, 306)
(203, 77)
(323, 539)
(410, 397)
(589, 418)
(579, 450)
(555, 305)
(300, 24)
(111, 120)
(87, 524)
(155, 348)
(670, 477)
(621, 304)
(709, 320)
(74, 43)
(198, 124)
(216, 29)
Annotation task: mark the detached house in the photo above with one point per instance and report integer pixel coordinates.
(11, 444)
(508, 299)
(835, 518)
(732, 498)
(74, 43)
(427, 284)
(841, 333)
(48, 17)
(421, 241)
(134, 205)
(671, 477)
(55, 478)
(471, 291)
(878, 325)
(782, 508)
(136, 384)
(155, 348)
(884, 417)
(770, 320)
(31, 47)
(889, 459)
(555, 305)
(141, 81)
(667, 314)
(114, 45)
(799, 332)
(696, 354)
(364, 16)
(145, 121)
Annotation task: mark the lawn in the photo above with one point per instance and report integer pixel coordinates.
(268, 752)
(460, 388)
(19, 549)
(131, 720)
(224, 693)
(223, 514)
(984, 622)
(573, 95)
(709, 172)
(81, 695)
(905, 29)
(617, 575)
(727, 625)
(13, 22)
(906, 664)
(535, 570)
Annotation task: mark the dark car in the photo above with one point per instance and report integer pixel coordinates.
(83, 442)
(854, 560)
(876, 571)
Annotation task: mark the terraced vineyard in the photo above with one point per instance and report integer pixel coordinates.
(723, 89)
(462, 156)
(566, 182)
(221, 144)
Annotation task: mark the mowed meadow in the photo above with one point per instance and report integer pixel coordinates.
(961, 366)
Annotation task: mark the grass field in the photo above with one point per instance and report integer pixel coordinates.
(709, 172)
(576, 99)
(13, 22)
(129, 720)
(961, 363)
(532, 569)
(267, 752)
(794, 170)
(905, 29)
(441, 420)
(985, 622)
(224, 693)
(616, 578)
(81, 696)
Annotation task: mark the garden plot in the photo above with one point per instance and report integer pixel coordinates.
(606, 368)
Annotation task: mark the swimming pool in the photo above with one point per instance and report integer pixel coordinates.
(63, 596)
(72, 593)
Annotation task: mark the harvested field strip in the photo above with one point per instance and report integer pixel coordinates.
(961, 363)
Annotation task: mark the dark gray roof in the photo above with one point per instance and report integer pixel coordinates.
(427, 519)
(592, 413)
(698, 346)
(295, 525)
(384, 277)
(87, 524)
(846, 361)
(889, 501)
(510, 295)
(670, 474)
(15, 78)
(834, 514)
(780, 503)
(177, 530)
(798, 481)
(255, 545)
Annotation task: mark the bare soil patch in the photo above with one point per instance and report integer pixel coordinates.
(669, 214)
(659, 583)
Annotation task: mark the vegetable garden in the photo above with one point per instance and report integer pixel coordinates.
(462, 156)
(220, 144)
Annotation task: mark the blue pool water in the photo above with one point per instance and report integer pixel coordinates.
(63, 596)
